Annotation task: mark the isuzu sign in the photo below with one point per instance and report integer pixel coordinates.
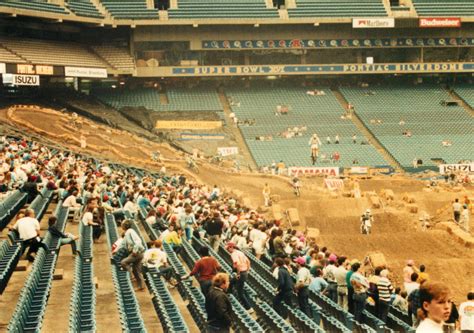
(21, 80)
(440, 22)
(463, 168)
(373, 23)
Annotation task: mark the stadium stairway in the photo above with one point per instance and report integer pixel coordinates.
(236, 133)
(464, 103)
(368, 134)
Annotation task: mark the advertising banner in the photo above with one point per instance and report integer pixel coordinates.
(334, 184)
(85, 72)
(373, 23)
(448, 168)
(21, 80)
(440, 22)
(226, 151)
(331, 171)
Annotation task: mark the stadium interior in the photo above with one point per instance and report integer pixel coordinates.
(230, 94)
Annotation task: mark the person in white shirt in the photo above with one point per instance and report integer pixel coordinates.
(435, 307)
(466, 314)
(73, 205)
(88, 220)
(340, 274)
(155, 257)
(28, 229)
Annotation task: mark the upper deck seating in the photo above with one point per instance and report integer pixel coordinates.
(343, 8)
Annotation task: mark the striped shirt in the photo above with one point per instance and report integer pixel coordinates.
(385, 289)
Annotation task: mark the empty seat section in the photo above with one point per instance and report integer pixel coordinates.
(319, 114)
(53, 52)
(444, 7)
(466, 92)
(330, 8)
(39, 5)
(390, 111)
(130, 9)
(180, 99)
(9, 57)
(84, 8)
(119, 57)
(191, 9)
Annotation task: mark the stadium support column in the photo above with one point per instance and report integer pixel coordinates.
(422, 55)
(76, 84)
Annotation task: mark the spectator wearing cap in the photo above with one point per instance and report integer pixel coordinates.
(284, 289)
(241, 265)
(303, 279)
(156, 258)
(330, 276)
(206, 268)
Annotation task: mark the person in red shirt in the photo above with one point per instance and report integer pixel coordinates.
(206, 267)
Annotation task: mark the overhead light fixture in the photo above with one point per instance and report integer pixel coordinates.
(256, 25)
(316, 24)
(195, 25)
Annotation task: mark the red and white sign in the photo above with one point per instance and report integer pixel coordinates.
(440, 22)
(373, 23)
(463, 168)
(334, 184)
(226, 151)
(331, 171)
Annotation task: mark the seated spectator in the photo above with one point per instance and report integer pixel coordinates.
(64, 238)
(155, 257)
(28, 230)
(71, 203)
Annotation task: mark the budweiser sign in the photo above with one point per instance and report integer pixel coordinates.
(373, 23)
(442, 22)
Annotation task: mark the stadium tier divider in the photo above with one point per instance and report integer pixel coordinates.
(30, 309)
(83, 297)
(129, 309)
(10, 206)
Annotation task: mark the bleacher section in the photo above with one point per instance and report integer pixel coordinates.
(129, 9)
(38, 5)
(320, 114)
(10, 206)
(444, 7)
(119, 58)
(429, 122)
(84, 8)
(31, 306)
(52, 52)
(344, 8)
(180, 99)
(9, 57)
(195, 9)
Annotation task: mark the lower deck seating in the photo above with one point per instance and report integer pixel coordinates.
(390, 111)
(317, 114)
(31, 306)
(9, 256)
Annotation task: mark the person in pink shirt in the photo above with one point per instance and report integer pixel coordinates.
(241, 265)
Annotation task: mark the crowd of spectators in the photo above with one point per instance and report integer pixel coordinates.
(180, 209)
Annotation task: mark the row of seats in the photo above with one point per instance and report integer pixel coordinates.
(39, 5)
(10, 206)
(82, 308)
(118, 57)
(196, 9)
(10, 57)
(466, 92)
(344, 8)
(129, 309)
(180, 99)
(421, 110)
(85, 8)
(129, 9)
(31, 306)
(52, 52)
(444, 7)
(319, 114)
(9, 256)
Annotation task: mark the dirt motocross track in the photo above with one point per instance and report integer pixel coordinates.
(396, 232)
